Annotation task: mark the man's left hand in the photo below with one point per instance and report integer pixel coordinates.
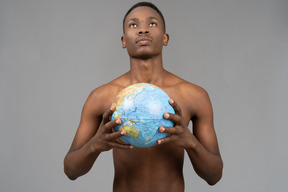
(180, 134)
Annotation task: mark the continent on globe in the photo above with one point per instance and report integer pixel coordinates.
(141, 108)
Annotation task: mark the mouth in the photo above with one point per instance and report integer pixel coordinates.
(143, 40)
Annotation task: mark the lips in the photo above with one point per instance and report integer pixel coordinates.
(143, 40)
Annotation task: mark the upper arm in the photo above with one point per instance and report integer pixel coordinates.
(90, 120)
(203, 126)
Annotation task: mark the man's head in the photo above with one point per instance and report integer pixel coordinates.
(145, 4)
(144, 31)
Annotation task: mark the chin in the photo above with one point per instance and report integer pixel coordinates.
(144, 55)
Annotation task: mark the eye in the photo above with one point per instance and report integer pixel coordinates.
(133, 25)
(152, 25)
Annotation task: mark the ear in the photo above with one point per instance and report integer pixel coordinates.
(123, 42)
(165, 39)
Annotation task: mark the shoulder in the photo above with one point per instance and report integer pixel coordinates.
(193, 94)
(186, 88)
(109, 89)
(193, 90)
(102, 97)
(192, 98)
(198, 101)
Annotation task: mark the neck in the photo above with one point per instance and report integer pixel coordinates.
(147, 70)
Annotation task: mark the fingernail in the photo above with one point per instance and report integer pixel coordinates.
(171, 101)
(131, 147)
(166, 115)
(159, 142)
(123, 132)
(162, 129)
(118, 121)
(112, 108)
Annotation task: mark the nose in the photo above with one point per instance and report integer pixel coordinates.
(143, 32)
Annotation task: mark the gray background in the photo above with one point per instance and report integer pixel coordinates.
(53, 53)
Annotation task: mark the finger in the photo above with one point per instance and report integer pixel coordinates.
(119, 140)
(111, 124)
(170, 130)
(173, 117)
(176, 107)
(165, 140)
(107, 114)
(121, 146)
(116, 135)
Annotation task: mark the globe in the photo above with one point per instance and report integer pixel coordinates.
(141, 108)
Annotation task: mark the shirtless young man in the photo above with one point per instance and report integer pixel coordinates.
(157, 168)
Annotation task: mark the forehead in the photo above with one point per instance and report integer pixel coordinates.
(143, 12)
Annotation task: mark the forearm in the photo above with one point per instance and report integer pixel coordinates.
(79, 162)
(207, 165)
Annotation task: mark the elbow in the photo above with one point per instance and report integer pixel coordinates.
(214, 181)
(69, 171)
(69, 174)
(71, 178)
(216, 178)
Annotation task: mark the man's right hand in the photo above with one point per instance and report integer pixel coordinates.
(106, 138)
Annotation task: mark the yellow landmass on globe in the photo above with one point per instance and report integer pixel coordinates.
(128, 91)
(131, 131)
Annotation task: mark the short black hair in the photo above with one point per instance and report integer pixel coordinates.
(145, 4)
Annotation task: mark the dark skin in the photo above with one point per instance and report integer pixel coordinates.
(157, 168)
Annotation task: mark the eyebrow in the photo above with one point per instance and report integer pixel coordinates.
(148, 18)
(151, 18)
(134, 19)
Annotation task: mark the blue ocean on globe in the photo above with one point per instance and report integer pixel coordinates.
(141, 108)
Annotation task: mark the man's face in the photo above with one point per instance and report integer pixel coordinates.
(144, 34)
